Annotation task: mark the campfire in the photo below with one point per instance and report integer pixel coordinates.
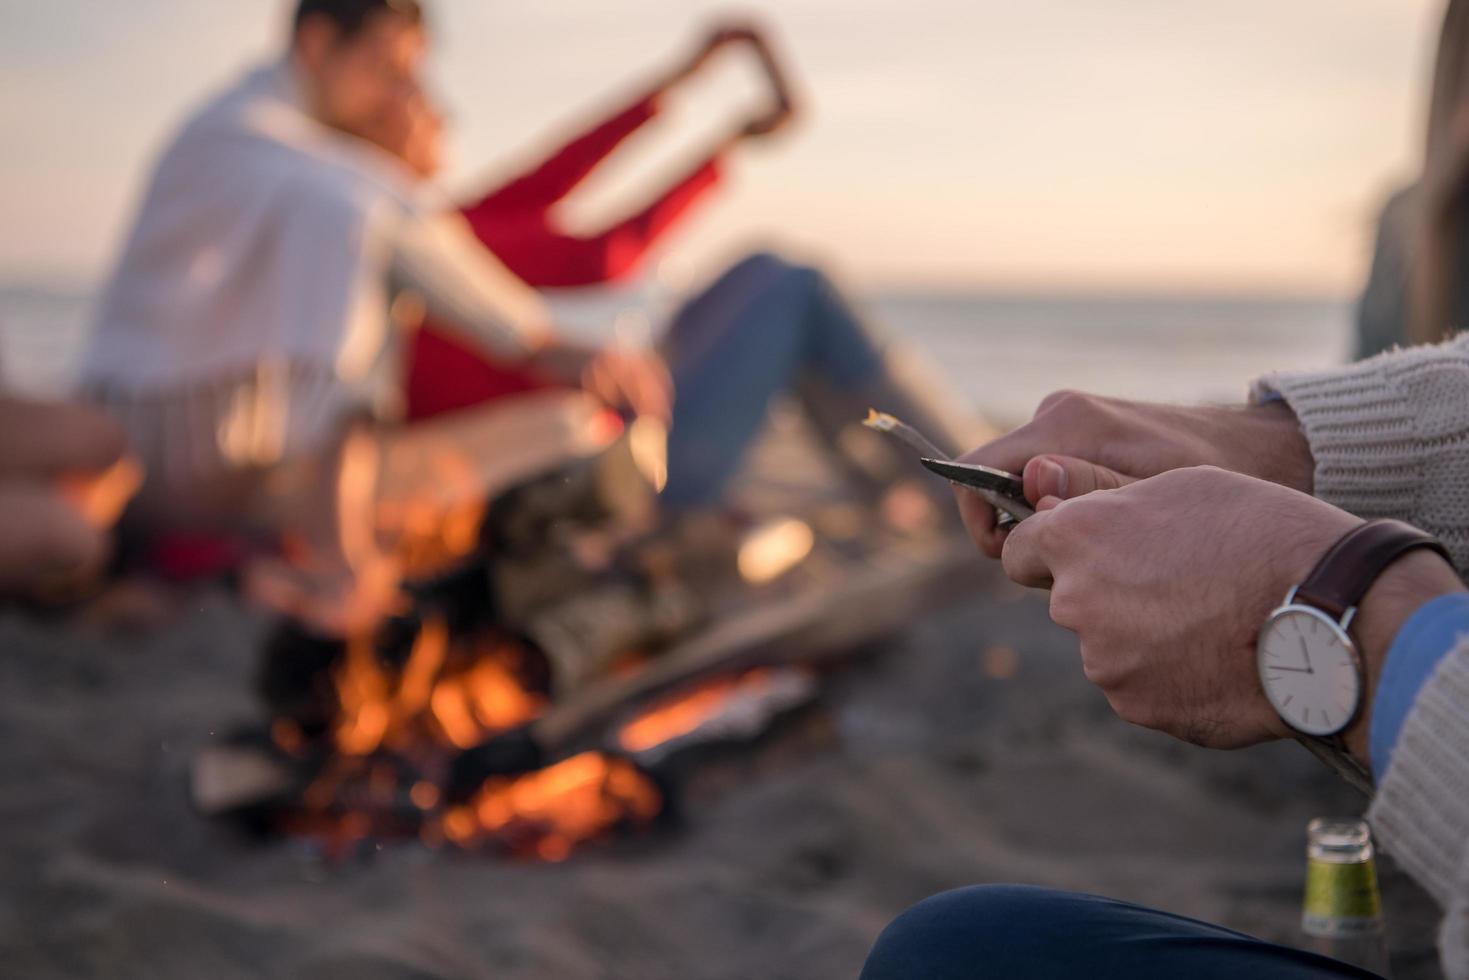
(384, 766)
(530, 687)
(442, 744)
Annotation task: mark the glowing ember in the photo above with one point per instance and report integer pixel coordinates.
(669, 721)
(393, 724)
(726, 709)
(545, 814)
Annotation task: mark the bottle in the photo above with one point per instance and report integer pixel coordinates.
(1342, 914)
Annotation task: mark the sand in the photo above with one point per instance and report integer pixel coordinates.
(919, 772)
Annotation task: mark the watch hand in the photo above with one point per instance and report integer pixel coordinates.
(1306, 654)
(1291, 670)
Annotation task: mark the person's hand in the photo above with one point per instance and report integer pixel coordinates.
(635, 381)
(1134, 440)
(719, 37)
(780, 117)
(783, 110)
(1167, 582)
(411, 128)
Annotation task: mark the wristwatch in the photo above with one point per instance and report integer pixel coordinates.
(1309, 666)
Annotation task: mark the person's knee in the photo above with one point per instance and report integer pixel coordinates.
(986, 930)
(761, 260)
(44, 541)
(769, 266)
(45, 438)
(88, 440)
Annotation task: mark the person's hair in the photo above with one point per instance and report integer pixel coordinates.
(351, 16)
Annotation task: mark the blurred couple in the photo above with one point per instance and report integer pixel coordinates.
(255, 318)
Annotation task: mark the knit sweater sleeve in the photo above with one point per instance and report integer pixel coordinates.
(1390, 436)
(1421, 813)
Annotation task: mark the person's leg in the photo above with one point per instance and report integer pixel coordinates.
(1020, 933)
(764, 328)
(47, 548)
(44, 439)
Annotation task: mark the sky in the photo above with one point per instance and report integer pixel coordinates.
(1232, 146)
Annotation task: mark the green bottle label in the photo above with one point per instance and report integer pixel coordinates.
(1341, 899)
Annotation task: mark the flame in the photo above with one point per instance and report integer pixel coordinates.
(547, 813)
(772, 550)
(467, 706)
(363, 696)
(684, 714)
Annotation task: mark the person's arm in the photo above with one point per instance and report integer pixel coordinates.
(1390, 436)
(480, 301)
(560, 174)
(466, 290)
(546, 257)
(1421, 813)
(1167, 582)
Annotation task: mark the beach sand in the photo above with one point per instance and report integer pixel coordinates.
(919, 771)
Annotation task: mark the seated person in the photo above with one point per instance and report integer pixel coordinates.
(1167, 536)
(515, 221)
(63, 481)
(1418, 289)
(764, 327)
(247, 328)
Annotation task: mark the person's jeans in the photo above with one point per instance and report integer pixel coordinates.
(1019, 933)
(762, 329)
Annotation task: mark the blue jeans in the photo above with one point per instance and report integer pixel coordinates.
(764, 328)
(1020, 933)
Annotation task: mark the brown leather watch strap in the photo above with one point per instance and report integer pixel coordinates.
(1344, 574)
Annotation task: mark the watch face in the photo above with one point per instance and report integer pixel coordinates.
(1310, 670)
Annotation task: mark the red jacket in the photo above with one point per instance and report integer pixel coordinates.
(514, 222)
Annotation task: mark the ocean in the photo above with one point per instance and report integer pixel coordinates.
(1003, 352)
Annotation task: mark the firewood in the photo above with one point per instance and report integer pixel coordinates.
(230, 778)
(807, 627)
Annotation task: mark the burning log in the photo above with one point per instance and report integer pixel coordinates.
(727, 710)
(806, 628)
(547, 812)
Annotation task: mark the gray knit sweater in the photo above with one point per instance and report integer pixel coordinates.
(1391, 439)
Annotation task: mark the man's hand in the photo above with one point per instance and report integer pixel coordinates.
(1167, 582)
(633, 381)
(1135, 440)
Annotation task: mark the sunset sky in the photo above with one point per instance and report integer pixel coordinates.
(1117, 144)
